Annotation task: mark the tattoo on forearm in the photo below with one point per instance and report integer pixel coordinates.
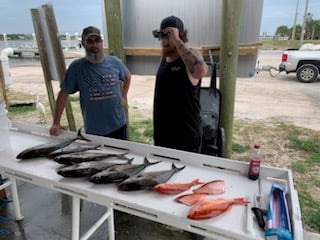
(190, 58)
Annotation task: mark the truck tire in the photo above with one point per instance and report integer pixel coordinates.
(307, 73)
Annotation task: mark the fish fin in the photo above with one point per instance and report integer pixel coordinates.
(240, 200)
(97, 147)
(176, 168)
(81, 137)
(123, 156)
(147, 162)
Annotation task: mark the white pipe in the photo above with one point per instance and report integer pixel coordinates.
(15, 198)
(4, 64)
(95, 227)
(6, 52)
(75, 218)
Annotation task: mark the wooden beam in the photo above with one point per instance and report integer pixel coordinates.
(228, 61)
(244, 49)
(51, 54)
(114, 28)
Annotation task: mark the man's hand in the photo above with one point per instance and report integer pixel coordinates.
(55, 129)
(173, 33)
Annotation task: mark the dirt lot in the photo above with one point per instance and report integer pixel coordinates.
(261, 97)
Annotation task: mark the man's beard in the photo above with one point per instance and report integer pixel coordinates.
(95, 57)
(168, 50)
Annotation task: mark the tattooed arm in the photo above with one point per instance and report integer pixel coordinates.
(192, 58)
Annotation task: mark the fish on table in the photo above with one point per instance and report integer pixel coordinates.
(213, 207)
(43, 150)
(74, 149)
(191, 198)
(73, 158)
(86, 168)
(174, 188)
(120, 172)
(147, 180)
(212, 187)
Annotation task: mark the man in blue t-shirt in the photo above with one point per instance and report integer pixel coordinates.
(98, 78)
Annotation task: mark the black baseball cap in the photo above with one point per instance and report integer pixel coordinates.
(172, 21)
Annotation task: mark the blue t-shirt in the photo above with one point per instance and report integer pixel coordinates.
(100, 93)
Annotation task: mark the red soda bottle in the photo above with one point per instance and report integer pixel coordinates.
(254, 165)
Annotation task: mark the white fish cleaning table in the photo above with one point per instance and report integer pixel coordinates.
(236, 223)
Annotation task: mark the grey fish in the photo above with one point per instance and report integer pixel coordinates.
(120, 172)
(148, 180)
(69, 150)
(86, 168)
(43, 150)
(73, 158)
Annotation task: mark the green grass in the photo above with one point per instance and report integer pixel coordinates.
(141, 131)
(74, 98)
(300, 146)
(310, 209)
(281, 44)
(237, 148)
(308, 168)
(21, 109)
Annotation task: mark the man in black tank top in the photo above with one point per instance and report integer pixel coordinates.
(176, 112)
(176, 108)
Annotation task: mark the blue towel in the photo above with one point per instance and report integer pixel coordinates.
(4, 202)
(3, 180)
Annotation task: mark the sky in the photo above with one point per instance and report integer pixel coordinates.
(72, 15)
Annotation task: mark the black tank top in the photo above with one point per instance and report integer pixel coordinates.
(176, 112)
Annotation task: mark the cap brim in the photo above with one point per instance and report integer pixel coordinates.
(92, 34)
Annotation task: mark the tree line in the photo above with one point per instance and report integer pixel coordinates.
(312, 30)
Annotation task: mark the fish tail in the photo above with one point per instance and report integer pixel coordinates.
(196, 182)
(81, 137)
(123, 156)
(175, 168)
(147, 162)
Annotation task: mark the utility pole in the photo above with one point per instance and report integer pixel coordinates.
(295, 22)
(304, 22)
(229, 52)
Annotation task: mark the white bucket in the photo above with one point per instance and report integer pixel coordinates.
(5, 125)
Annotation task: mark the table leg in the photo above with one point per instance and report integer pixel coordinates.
(75, 218)
(3, 193)
(15, 198)
(111, 231)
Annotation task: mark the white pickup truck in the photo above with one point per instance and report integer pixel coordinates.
(305, 62)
